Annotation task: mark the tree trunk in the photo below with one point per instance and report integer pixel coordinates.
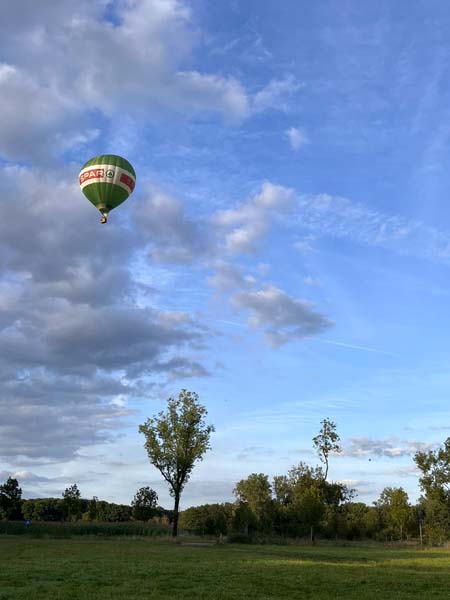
(175, 515)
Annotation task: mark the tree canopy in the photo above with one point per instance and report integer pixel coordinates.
(10, 499)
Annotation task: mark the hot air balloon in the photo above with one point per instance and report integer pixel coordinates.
(107, 181)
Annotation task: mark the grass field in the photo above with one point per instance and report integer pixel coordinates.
(121, 568)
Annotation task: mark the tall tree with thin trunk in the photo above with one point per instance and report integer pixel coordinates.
(326, 442)
(175, 440)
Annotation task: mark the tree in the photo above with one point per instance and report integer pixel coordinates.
(435, 468)
(359, 521)
(326, 442)
(244, 519)
(44, 509)
(256, 491)
(175, 441)
(144, 504)
(208, 519)
(304, 500)
(435, 482)
(111, 513)
(336, 497)
(311, 509)
(92, 509)
(282, 490)
(10, 499)
(301, 477)
(395, 511)
(72, 502)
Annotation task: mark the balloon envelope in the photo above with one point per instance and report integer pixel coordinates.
(107, 181)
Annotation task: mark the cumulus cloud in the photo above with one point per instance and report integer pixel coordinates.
(33, 115)
(78, 60)
(72, 61)
(64, 368)
(173, 237)
(56, 424)
(77, 337)
(230, 277)
(79, 329)
(73, 337)
(297, 138)
(392, 448)
(282, 317)
(244, 227)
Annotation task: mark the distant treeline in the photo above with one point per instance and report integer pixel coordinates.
(303, 503)
(307, 507)
(71, 507)
(298, 504)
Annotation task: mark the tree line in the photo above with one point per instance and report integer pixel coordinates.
(71, 507)
(299, 503)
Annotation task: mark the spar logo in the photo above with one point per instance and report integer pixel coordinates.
(110, 173)
(92, 174)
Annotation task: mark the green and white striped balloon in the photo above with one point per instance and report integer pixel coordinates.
(107, 181)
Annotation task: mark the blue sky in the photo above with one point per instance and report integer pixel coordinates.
(285, 254)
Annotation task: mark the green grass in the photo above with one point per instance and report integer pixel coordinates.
(127, 569)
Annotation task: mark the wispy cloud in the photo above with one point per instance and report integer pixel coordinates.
(276, 94)
(255, 452)
(335, 216)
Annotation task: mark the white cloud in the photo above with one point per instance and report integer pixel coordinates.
(33, 115)
(297, 138)
(61, 75)
(203, 92)
(244, 227)
(81, 62)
